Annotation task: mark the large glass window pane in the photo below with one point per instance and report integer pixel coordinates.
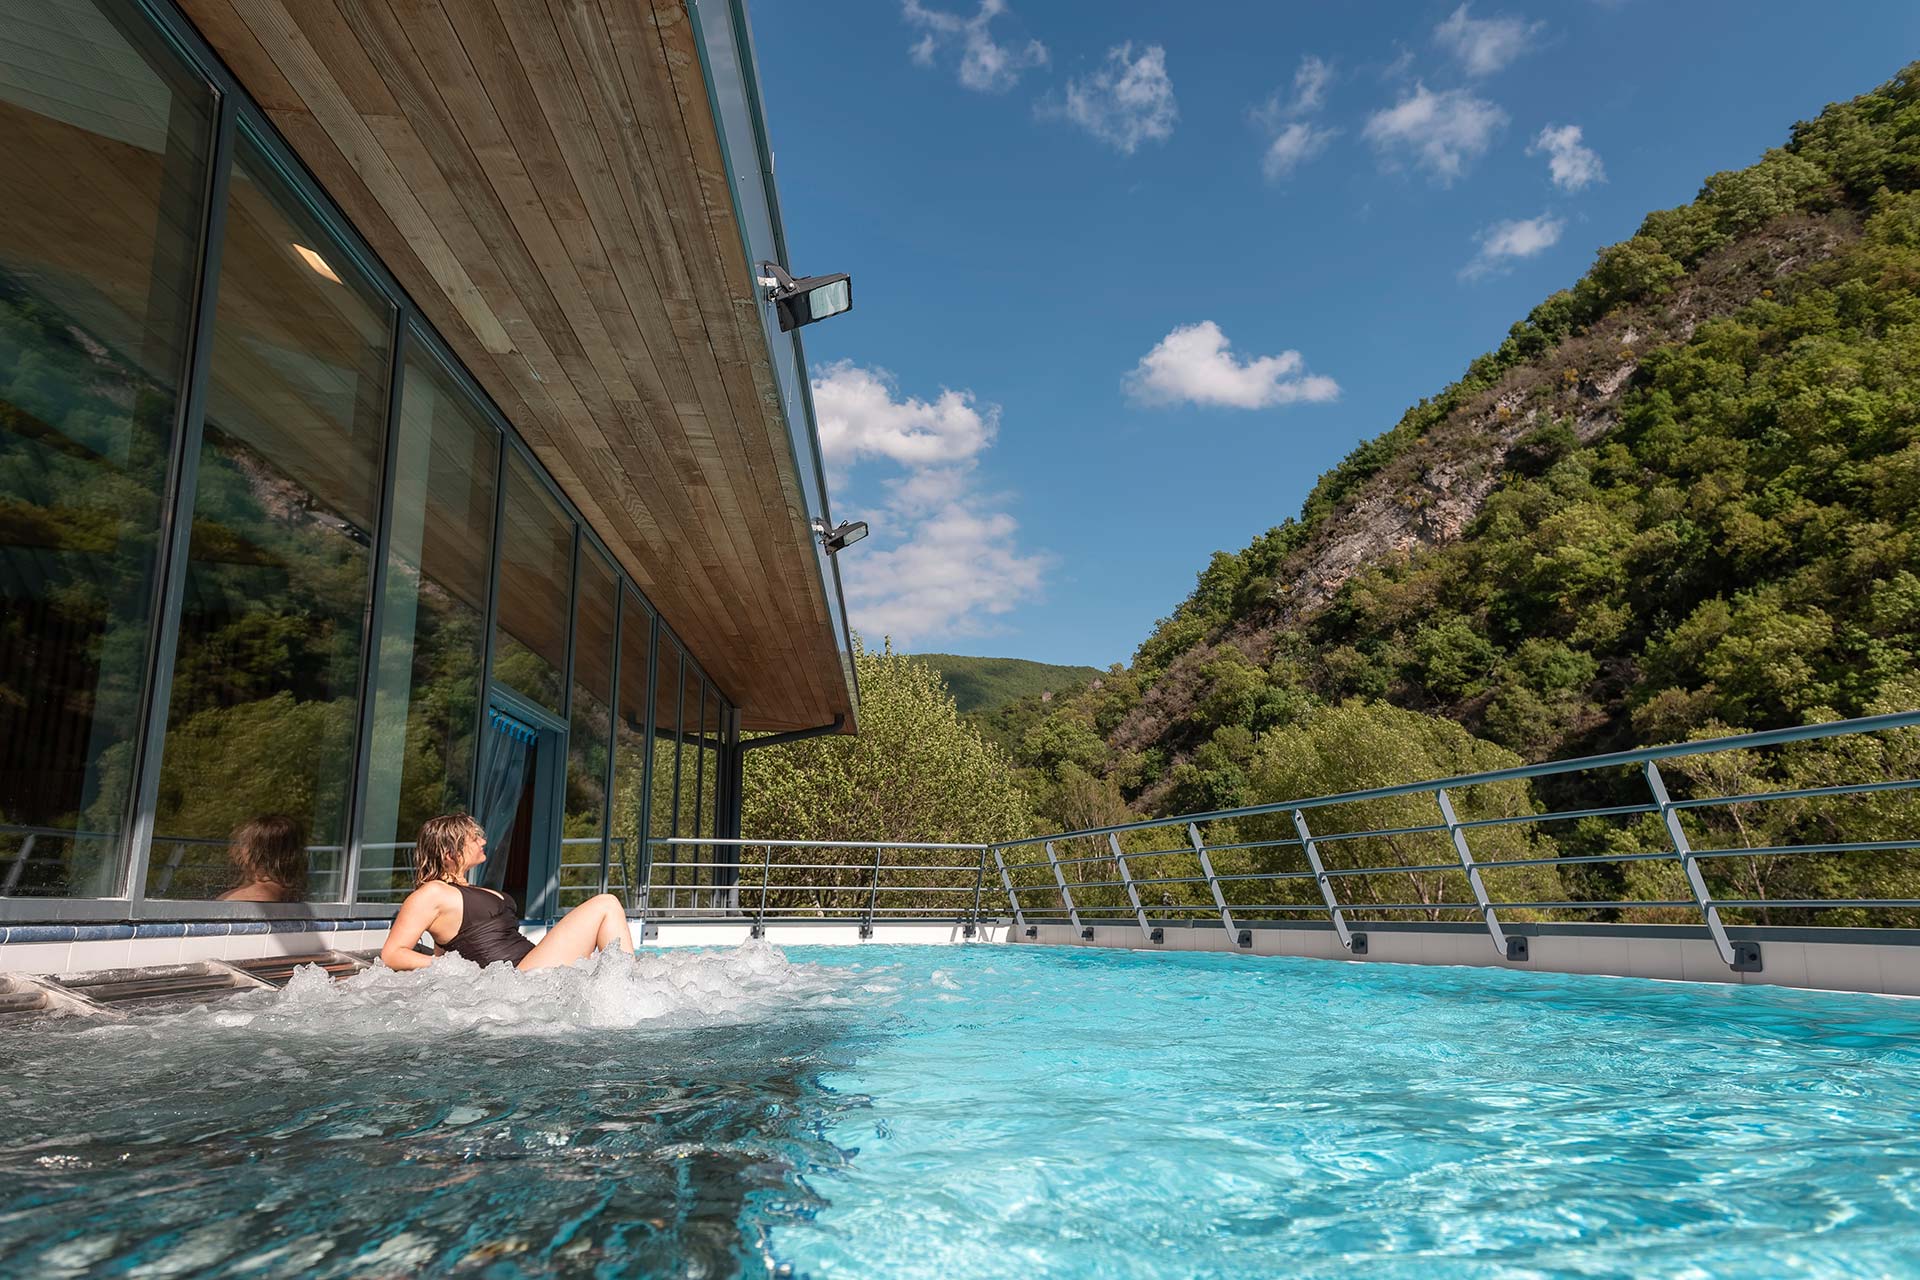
(665, 776)
(709, 782)
(586, 806)
(536, 568)
(687, 814)
(104, 142)
(630, 751)
(258, 760)
(426, 697)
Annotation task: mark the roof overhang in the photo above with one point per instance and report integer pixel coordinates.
(574, 194)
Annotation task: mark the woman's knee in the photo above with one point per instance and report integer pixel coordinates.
(608, 902)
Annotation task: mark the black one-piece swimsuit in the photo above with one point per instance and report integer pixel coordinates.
(489, 928)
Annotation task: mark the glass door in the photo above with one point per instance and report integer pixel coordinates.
(522, 782)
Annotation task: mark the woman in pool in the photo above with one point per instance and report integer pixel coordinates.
(480, 924)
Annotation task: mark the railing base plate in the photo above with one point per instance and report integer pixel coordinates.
(1516, 947)
(1746, 957)
(1358, 946)
(1158, 935)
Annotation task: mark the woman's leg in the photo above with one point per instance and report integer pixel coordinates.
(592, 926)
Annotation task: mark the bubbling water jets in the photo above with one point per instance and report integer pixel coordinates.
(663, 989)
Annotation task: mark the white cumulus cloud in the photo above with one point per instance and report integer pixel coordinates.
(1572, 163)
(859, 417)
(1126, 102)
(1504, 242)
(1293, 146)
(1195, 364)
(1484, 45)
(986, 65)
(945, 559)
(1438, 132)
(1293, 141)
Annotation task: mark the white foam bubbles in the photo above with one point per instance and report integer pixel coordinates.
(667, 988)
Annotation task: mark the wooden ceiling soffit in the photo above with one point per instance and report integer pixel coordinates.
(546, 181)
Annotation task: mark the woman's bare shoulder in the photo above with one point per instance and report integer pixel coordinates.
(435, 893)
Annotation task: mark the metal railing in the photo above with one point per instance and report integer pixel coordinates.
(1485, 861)
(906, 886)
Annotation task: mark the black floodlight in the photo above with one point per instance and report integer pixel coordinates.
(806, 299)
(841, 536)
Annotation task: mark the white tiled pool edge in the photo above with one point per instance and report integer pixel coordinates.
(1876, 968)
(1882, 968)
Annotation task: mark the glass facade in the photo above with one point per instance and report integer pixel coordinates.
(583, 835)
(427, 692)
(104, 205)
(272, 571)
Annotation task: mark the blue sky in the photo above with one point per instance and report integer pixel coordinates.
(1129, 277)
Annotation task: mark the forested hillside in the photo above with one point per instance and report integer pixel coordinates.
(1682, 497)
(988, 684)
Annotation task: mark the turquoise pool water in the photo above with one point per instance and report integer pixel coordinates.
(979, 1111)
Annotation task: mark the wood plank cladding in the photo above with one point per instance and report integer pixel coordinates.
(545, 178)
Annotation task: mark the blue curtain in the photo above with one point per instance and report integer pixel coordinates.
(508, 743)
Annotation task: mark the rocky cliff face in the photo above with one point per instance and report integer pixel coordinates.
(1434, 488)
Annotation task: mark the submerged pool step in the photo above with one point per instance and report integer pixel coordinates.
(162, 984)
(278, 970)
(19, 1000)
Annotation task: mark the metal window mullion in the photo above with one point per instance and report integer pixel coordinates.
(679, 749)
(1494, 931)
(1684, 852)
(375, 614)
(176, 532)
(613, 737)
(1213, 883)
(1323, 880)
(1013, 899)
(490, 630)
(644, 869)
(1066, 896)
(700, 782)
(1120, 860)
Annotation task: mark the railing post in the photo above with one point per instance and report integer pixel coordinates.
(1353, 942)
(979, 879)
(1741, 957)
(1219, 899)
(766, 877)
(1013, 899)
(646, 877)
(1139, 913)
(1514, 948)
(873, 891)
(1073, 913)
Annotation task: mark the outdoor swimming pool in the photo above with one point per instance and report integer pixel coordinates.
(971, 1111)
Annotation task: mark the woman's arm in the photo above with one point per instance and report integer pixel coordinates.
(415, 917)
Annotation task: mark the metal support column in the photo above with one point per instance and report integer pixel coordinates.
(1353, 942)
(873, 891)
(1073, 913)
(1013, 899)
(1139, 913)
(759, 929)
(979, 879)
(1741, 957)
(1219, 899)
(1514, 948)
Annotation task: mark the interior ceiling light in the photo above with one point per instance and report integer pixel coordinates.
(318, 263)
(806, 299)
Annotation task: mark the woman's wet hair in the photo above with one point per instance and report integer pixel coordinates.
(436, 853)
(271, 849)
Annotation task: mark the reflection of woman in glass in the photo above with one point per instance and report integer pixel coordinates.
(270, 853)
(480, 924)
